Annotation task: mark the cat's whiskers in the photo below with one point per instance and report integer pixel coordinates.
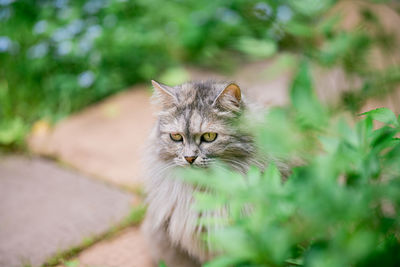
(164, 168)
(235, 163)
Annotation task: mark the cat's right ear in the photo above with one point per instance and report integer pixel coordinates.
(230, 97)
(163, 93)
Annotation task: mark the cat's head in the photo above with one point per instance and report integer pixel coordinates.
(195, 124)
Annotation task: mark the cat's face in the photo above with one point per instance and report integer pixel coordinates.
(195, 124)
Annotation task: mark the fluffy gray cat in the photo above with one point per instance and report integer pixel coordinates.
(194, 128)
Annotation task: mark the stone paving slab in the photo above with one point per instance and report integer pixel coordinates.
(45, 209)
(126, 250)
(104, 140)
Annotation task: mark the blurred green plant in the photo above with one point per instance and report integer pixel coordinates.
(339, 207)
(59, 56)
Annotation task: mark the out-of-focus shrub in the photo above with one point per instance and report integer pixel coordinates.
(339, 207)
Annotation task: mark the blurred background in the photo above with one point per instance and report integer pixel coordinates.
(59, 56)
(74, 87)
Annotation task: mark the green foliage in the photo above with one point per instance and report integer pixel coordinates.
(304, 101)
(383, 115)
(340, 206)
(73, 263)
(12, 132)
(59, 56)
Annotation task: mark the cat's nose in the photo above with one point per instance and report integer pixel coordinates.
(191, 159)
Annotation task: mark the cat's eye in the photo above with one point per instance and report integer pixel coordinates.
(176, 137)
(208, 137)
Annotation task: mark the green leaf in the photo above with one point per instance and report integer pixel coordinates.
(257, 48)
(235, 240)
(299, 29)
(383, 138)
(73, 263)
(328, 26)
(384, 115)
(12, 131)
(223, 261)
(207, 201)
(311, 7)
(253, 176)
(347, 133)
(273, 176)
(174, 76)
(295, 262)
(304, 99)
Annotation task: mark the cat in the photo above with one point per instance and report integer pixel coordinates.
(194, 128)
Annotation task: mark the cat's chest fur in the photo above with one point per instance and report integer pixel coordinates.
(170, 209)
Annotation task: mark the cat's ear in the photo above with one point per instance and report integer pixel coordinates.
(229, 97)
(164, 93)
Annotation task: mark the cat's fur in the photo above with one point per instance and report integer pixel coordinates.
(190, 109)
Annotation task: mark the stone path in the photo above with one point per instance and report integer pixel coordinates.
(126, 250)
(105, 140)
(46, 209)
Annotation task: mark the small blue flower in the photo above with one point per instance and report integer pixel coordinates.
(284, 13)
(6, 2)
(60, 3)
(38, 51)
(5, 44)
(228, 16)
(64, 48)
(61, 34)
(5, 13)
(93, 6)
(86, 79)
(94, 31)
(75, 26)
(262, 10)
(40, 27)
(84, 45)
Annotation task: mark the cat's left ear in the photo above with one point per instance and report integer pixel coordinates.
(229, 97)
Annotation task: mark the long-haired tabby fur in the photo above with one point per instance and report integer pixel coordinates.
(187, 112)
